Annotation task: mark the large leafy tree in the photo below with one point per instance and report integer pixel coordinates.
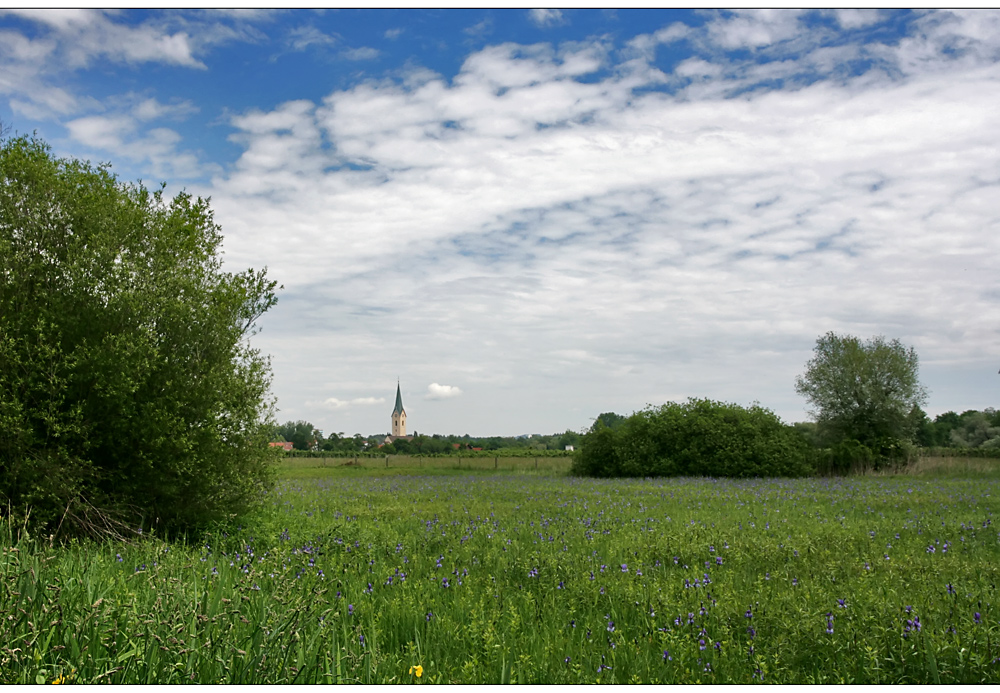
(302, 434)
(128, 390)
(863, 390)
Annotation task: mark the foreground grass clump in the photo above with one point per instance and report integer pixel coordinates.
(517, 578)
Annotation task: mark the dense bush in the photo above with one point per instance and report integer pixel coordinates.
(698, 438)
(128, 392)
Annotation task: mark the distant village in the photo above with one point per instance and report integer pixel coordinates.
(302, 435)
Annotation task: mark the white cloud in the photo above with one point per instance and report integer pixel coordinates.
(302, 37)
(158, 149)
(754, 28)
(88, 34)
(37, 69)
(362, 53)
(151, 109)
(545, 18)
(334, 403)
(857, 18)
(435, 391)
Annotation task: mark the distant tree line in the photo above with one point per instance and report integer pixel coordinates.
(970, 429)
(304, 436)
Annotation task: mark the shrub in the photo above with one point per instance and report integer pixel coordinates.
(128, 392)
(698, 438)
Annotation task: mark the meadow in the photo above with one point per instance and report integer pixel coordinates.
(432, 574)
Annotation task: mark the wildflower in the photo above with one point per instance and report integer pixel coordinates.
(624, 567)
(350, 609)
(417, 671)
(951, 590)
(361, 639)
(566, 661)
(119, 557)
(718, 560)
(977, 617)
(841, 603)
(429, 616)
(701, 643)
(829, 622)
(667, 657)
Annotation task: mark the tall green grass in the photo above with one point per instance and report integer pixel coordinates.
(490, 578)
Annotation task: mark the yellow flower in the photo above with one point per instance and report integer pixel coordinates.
(418, 670)
(58, 680)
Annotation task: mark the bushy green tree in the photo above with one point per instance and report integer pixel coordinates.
(975, 429)
(698, 438)
(862, 390)
(302, 434)
(611, 419)
(128, 391)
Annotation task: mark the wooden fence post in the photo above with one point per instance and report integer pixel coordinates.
(386, 461)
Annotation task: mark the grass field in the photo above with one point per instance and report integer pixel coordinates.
(391, 465)
(479, 576)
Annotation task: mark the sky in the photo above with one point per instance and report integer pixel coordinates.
(529, 218)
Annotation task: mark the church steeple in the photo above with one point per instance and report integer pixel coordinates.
(399, 401)
(398, 415)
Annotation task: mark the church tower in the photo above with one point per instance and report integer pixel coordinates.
(398, 416)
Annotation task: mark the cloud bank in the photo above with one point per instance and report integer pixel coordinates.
(573, 227)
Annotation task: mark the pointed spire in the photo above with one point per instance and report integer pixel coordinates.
(399, 401)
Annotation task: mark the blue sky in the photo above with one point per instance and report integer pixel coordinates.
(532, 217)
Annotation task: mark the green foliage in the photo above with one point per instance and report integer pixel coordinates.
(128, 392)
(862, 390)
(698, 438)
(611, 419)
(302, 434)
(976, 429)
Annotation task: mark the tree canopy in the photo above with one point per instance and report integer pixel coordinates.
(863, 390)
(128, 390)
(700, 437)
